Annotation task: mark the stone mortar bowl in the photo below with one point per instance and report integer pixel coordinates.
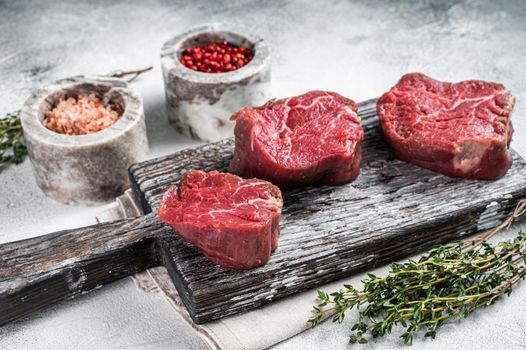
(200, 104)
(85, 169)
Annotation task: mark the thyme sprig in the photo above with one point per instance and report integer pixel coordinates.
(451, 280)
(12, 145)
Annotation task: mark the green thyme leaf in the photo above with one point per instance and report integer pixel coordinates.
(12, 144)
(450, 281)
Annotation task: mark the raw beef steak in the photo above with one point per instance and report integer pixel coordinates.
(233, 221)
(457, 129)
(312, 138)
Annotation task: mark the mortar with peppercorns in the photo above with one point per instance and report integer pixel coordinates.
(211, 72)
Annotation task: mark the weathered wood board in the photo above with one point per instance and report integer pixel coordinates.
(392, 210)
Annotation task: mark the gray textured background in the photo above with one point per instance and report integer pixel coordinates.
(357, 48)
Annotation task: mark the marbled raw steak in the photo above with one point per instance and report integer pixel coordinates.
(312, 138)
(457, 129)
(233, 221)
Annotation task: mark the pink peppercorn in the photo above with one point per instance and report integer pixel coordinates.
(217, 57)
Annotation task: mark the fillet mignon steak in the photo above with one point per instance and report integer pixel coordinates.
(233, 221)
(457, 129)
(312, 138)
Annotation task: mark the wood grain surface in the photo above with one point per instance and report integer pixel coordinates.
(39, 271)
(392, 210)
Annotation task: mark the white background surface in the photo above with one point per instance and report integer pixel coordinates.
(357, 48)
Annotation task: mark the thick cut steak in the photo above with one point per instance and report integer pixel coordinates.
(312, 138)
(457, 129)
(233, 221)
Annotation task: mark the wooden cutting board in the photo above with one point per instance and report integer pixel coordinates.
(392, 210)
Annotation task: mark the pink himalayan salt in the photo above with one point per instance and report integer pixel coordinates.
(84, 115)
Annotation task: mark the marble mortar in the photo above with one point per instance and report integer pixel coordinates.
(85, 169)
(200, 104)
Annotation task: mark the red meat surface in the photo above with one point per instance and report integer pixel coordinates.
(457, 129)
(312, 138)
(233, 221)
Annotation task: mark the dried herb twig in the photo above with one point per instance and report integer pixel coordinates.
(451, 280)
(134, 73)
(12, 145)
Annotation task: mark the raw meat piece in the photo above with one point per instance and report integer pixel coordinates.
(457, 129)
(312, 138)
(233, 221)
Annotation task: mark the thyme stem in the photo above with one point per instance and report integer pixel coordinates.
(451, 280)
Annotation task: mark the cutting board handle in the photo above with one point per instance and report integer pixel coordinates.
(39, 271)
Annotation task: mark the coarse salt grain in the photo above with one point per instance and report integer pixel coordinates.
(86, 114)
